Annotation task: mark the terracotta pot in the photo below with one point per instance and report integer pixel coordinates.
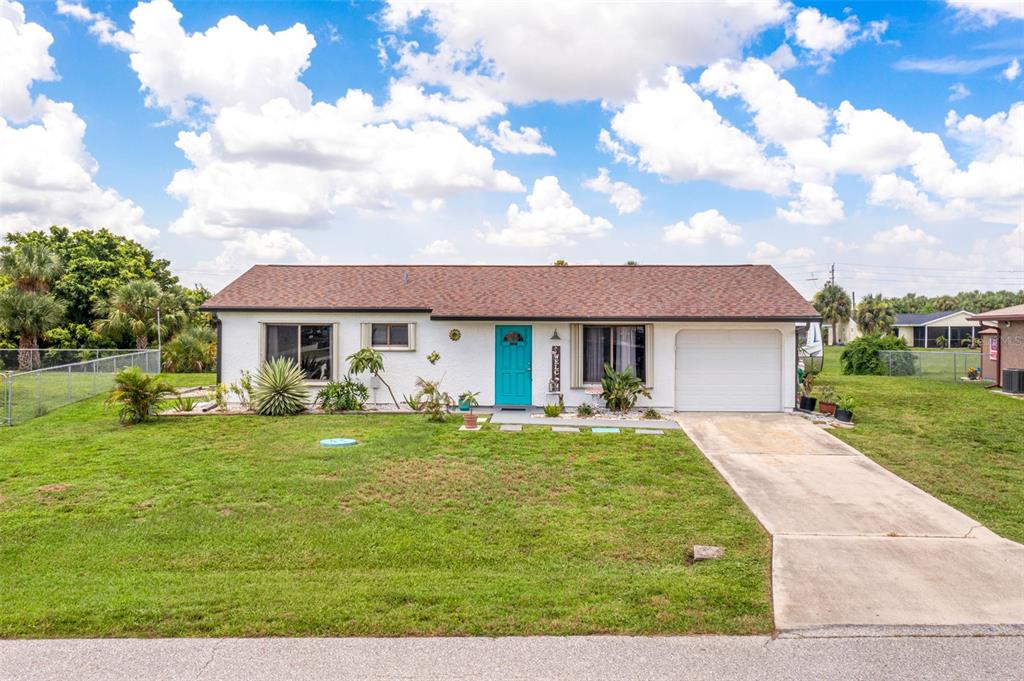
(469, 420)
(827, 407)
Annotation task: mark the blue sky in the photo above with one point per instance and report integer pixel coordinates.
(886, 137)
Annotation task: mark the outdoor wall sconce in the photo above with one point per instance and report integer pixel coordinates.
(555, 335)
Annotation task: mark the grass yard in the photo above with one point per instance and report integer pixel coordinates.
(244, 526)
(956, 441)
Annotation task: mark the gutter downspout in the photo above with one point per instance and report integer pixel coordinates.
(220, 346)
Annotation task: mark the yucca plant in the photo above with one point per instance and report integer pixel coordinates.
(279, 388)
(138, 393)
(621, 389)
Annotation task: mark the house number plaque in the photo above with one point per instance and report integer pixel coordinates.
(555, 385)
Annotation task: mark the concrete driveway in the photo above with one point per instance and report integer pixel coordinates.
(853, 544)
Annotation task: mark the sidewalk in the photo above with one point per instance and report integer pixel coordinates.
(610, 658)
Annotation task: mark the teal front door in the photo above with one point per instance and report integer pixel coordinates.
(513, 365)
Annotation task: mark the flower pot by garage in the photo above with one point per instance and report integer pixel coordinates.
(469, 420)
(844, 415)
(827, 407)
(808, 403)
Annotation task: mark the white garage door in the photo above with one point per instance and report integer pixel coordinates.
(728, 370)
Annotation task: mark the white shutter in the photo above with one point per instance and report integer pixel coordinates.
(649, 354)
(576, 358)
(364, 335)
(412, 335)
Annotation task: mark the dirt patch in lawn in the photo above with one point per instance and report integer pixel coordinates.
(441, 482)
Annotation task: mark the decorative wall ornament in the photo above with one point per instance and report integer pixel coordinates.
(433, 357)
(555, 384)
(455, 334)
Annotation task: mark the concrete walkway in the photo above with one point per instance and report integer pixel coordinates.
(611, 658)
(533, 417)
(853, 544)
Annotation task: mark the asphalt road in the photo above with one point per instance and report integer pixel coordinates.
(589, 657)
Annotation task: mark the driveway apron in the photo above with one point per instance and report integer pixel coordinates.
(853, 544)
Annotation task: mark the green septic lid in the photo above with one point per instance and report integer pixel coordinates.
(337, 442)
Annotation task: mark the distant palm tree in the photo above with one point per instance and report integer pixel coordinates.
(31, 267)
(833, 304)
(874, 315)
(27, 308)
(30, 315)
(132, 310)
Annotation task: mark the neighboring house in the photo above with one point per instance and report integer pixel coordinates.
(1003, 341)
(846, 332)
(923, 330)
(716, 338)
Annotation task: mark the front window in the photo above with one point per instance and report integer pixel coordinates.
(619, 346)
(389, 335)
(308, 345)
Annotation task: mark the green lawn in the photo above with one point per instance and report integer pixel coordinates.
(956, 441)
(244, 526)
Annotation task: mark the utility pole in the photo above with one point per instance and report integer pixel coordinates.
(832, 275)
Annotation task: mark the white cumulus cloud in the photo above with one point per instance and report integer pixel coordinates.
(817, 204)
(624, 196)
(707, 226)
(25, 57)
(988, 12)
(1012, 70)
(900, 236)
(681, 137)
(574, 50)
(439, 247)
(551, 218)
(508, 141)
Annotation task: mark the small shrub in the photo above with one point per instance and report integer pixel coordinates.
(344, 395)
(279, 388)
(220, 397)
(860, 356)
(243, 389)
(585, 410)
(184, 404)
(827, 393)
(431, 400)
(138, 394)
(622, 388)
(552, 410)
(941, 342)
(650, 414)
(846, 403)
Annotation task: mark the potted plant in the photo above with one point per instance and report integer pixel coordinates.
(844, 409)
(468, 400)
(807, 401)
(827, 401)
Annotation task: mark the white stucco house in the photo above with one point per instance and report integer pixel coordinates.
(957, 329)
(703, 338)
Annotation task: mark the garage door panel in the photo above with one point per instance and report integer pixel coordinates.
(731, 370)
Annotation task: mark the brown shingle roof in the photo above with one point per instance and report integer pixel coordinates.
(522, 292)
(1007, 313)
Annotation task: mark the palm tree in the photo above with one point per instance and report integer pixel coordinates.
(27, 308)
(30, 315)
(31, 267)
(192, 349)
(132, 310)
(874, 315)
(372, 361)
(833, 304)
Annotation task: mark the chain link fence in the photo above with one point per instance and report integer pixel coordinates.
(25, 395)
(950, 367)
(46, 358)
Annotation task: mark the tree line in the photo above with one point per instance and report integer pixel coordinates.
(877, 313)
(94, 289)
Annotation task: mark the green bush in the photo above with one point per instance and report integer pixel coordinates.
(430, 400)
(651, 414)
(585, 410)
(344, 395)
(279, 388)
(138, 394)
(552, 410)
(621, 389)
(860, 356)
